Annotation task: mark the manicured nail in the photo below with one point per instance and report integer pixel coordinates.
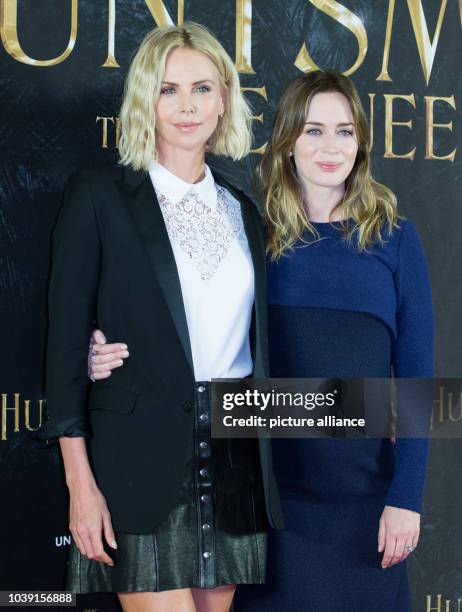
(119, 362)
(123, 346)
(125, 354)
(114, 544)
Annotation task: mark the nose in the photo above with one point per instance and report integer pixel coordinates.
(331, 143)
(187, 104)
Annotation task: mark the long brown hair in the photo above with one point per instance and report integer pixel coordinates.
(371, 205)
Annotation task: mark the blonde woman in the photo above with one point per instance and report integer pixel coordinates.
(168, 256)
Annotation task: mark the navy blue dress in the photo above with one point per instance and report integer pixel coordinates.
(336, 312)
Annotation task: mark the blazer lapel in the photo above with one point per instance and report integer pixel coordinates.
(150, 224)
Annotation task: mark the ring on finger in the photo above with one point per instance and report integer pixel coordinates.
(408, 548)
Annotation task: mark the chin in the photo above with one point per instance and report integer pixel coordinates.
(328, 181)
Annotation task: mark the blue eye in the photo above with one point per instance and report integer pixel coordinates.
(313, 131)
(167, 90)
(202, 88)
(347, 132)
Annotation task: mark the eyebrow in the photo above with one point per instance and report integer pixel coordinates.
(195, 82)
(318, 123)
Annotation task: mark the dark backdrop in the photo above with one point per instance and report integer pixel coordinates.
(405, 58)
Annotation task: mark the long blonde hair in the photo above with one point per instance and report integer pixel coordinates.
(137, 145)
(371, 205)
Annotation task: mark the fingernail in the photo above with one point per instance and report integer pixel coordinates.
(125, 354)
(123, 346)
(114, 544)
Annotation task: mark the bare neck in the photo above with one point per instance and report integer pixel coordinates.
(320, 202)
(188, 165)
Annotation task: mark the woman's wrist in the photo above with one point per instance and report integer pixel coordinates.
(79, 481)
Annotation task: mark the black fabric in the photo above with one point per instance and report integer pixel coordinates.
(113, 268)
(205, 541)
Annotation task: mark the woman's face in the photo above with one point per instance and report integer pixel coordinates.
(190, 101)
(325, 151)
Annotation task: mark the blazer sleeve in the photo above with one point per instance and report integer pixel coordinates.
(72, 299)
(412, 359)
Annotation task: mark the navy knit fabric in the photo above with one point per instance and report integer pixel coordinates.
(390, 284)
(336, 312)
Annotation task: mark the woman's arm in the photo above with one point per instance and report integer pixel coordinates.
(88, 512)
(72, 298)
(412, 358)
(76, 262)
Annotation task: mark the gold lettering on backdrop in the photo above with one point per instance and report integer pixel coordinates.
(244, 36)
(157, 10)
(111, 61)
(105, 130)
(117, 123)
(261, 91)
(390, 123)
(430, 126)
(451, 416)
(105, 122)
(426, 48)
(349, 20)
(9, 35)
(445, 406)
(371, 119)
(4, 412)
(27, 415)
(439, 403)
(160, 13)
(438, 607)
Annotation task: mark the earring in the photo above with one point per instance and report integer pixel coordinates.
(291, 153)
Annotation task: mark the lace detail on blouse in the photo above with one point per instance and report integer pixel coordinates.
(203, 233)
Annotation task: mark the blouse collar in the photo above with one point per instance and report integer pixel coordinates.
(175, 188)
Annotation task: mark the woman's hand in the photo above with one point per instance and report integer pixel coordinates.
(398, 530)
(102, 357)
(89, 518)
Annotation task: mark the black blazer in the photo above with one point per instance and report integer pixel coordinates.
(113, 267)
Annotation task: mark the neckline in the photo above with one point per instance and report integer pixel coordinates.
(331, 226)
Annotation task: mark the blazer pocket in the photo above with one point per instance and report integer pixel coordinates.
(112, 398)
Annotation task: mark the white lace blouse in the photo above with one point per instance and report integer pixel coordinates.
(215, 269)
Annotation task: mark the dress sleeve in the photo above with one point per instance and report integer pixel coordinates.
(72, 298)
(412, 358)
